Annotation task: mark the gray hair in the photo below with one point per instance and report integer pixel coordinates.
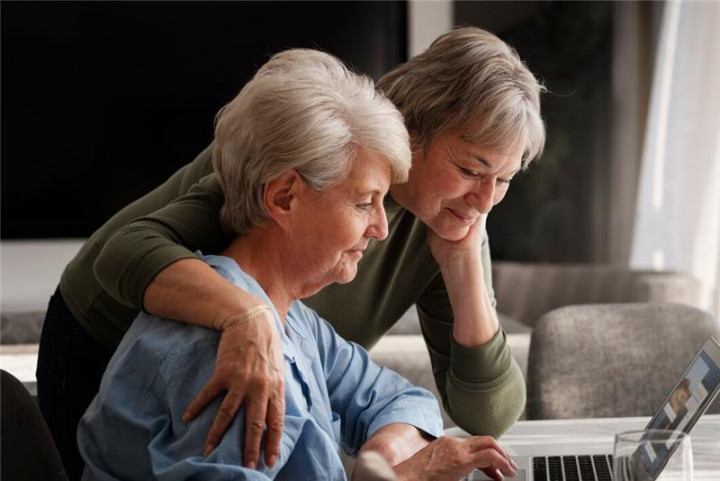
(302, 110)
(471, 82)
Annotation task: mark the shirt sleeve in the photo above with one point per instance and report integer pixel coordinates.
(137, 252)
(134, 427)
(367, 396)
(482, 388)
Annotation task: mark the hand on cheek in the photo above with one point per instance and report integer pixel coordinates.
(464, 250)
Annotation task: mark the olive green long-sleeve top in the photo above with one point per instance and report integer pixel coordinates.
(482, 388)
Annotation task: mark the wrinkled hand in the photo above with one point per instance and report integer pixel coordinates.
(250, 369)
(450, 458)
(445, 251)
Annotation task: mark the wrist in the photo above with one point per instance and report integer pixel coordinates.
(232, 305)
(250, 315)
(396, 442)
(408, 471)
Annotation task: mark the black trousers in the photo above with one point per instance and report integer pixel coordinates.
(70, 367)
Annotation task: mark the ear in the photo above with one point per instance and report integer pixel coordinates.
(280, 195)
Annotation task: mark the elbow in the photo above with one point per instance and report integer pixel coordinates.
(487, 410)
(115, 261)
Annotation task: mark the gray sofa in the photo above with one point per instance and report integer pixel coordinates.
(524, 292)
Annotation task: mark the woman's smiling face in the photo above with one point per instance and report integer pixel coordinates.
(452, 182)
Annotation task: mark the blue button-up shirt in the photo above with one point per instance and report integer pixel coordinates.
(334, 396)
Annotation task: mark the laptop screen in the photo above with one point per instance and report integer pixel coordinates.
(685, 404)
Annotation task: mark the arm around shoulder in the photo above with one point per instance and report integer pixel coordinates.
(136, 252)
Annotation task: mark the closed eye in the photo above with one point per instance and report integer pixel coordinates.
(364, 206)
(469, 173)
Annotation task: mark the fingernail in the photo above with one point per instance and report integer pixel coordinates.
(252, 465)
(273, 459)
(208, 449)
(186, 418)
(513, 464)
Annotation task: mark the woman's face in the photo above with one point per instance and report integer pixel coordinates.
(333, 227)
(453, 182)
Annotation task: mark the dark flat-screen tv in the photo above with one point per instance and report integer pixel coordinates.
(101, 101)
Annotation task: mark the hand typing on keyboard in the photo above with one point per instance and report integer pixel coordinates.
(450, 459)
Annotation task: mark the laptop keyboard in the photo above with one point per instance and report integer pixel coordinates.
(572, 468)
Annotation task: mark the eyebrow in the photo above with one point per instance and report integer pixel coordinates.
(372, 191)
(487, 164)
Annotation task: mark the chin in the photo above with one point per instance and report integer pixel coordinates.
(346, 279)
(347, 275)
(451, 233)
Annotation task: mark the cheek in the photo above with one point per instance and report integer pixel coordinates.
(447, 186)
(344, 234)
(499, 195)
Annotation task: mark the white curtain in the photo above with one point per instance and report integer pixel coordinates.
(677, 222)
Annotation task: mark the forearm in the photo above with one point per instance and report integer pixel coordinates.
(397, 442)
(138, 250)
(481, 385)
(191, 291)
(475, 320)
(467, 283)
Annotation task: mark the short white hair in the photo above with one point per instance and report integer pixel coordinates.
(302, 110)
(470, 82)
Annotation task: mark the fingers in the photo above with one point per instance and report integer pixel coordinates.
(482, 222)
(223, 418)
(255, 413)
(494, 461)
(483, 452)
(487, 442)
(250, 369)
(493, 473)
(490, 457)
(275, 416)
(211, 390)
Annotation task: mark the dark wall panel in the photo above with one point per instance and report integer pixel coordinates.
(101, 101)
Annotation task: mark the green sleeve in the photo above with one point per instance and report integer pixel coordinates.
(137, 252)
(482, 388)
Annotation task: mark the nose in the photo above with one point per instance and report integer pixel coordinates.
(378, 227)
(482, 197)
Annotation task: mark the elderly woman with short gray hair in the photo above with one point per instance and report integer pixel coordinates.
(305, 155)
(472, 109)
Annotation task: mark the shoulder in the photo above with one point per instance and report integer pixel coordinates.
(231, 271)
(152, 341)
(161, 359)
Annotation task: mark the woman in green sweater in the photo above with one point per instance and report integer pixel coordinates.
(473, 111)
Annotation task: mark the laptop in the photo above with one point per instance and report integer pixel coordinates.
(686, 402)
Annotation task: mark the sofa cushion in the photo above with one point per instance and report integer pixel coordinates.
(21, 327)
